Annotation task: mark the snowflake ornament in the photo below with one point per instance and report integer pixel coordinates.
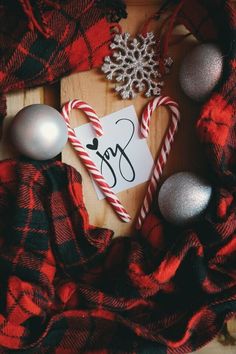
(134, 65)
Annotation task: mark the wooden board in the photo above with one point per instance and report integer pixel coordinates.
(93, 88)
(216, 347)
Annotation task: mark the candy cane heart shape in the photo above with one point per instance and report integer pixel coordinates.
(165, 149)
(85, 158)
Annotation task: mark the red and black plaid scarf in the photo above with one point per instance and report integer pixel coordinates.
(67, 287)
(41, 41)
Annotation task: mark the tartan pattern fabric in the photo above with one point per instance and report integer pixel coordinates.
(52, 39)
(67, 287)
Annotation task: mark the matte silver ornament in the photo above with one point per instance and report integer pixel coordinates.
(183, 197)
(134, 65)
(200, 71)
(38, 131)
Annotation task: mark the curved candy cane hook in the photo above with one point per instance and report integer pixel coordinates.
(165, 150)
(84, 156)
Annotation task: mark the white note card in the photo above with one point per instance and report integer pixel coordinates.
(120, 154)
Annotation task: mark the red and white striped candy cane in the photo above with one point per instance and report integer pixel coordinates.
(165, 149)
(84, 156)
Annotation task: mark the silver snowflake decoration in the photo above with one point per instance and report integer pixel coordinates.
(134, 65)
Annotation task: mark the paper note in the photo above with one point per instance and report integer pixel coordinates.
(120, 154)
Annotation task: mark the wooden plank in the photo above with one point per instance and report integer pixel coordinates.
(214, 347)
(15, 102)
(94, 89)
(232, 326)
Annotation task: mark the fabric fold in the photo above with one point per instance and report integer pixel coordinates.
(82, 290)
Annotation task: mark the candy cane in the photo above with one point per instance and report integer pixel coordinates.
(84, 156)
(165, 150)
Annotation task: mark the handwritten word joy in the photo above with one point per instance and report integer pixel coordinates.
(107, 158)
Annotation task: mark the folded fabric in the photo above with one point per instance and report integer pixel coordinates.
(41, 41)
(67, 287)
(47, 245)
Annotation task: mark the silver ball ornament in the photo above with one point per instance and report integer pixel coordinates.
(183, 197)
(38, 131)
(200, 71)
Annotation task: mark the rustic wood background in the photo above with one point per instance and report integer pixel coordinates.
(97, 91)
(91, 86)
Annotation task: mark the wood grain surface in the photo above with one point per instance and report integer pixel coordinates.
(93, 88)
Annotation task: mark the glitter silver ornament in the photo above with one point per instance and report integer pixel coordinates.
(183, 197)
(38, 131)
(134, 65)
(200, 71)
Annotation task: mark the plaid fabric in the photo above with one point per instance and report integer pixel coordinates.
(52, 39)
(66, 287)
